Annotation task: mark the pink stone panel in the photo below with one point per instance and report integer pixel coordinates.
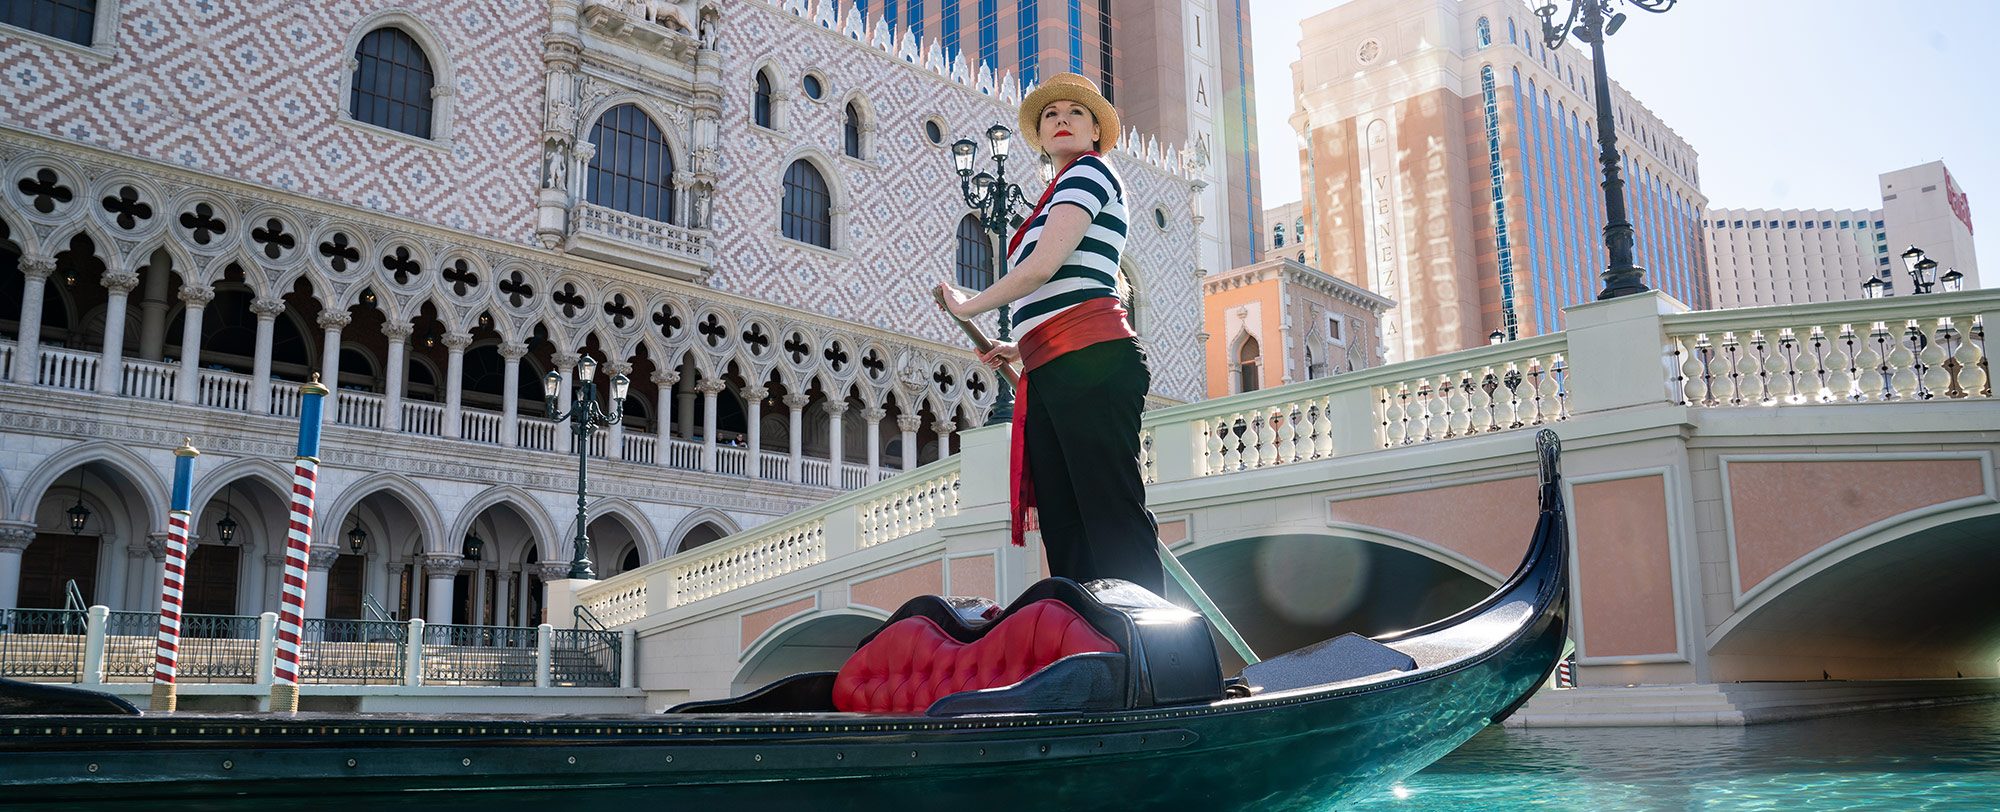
(1625, 567)
(1489, 522)
(1785, 510)
(886, 592)
(755, 624)
(973, 577)
(1173, 532)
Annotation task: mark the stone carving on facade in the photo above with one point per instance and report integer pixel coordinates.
(15, 537)
(909, 422)
(120, 281)
(796, 400)
(37, 267)
(335, 319)
(441, 565)
(321, 557)
(197, 295)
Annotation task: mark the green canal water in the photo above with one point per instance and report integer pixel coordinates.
(1931, 759)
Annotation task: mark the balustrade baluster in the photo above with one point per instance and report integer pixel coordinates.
(1902, 363)
(1323, 427)
(1790, 389)
(1934, 376)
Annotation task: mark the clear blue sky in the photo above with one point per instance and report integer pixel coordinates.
(1787, 102)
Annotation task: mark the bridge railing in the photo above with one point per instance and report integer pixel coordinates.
(1906, 348)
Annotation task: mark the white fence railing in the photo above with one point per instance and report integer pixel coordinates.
(907, 510)
(68, 369)
(149, 380)
(423, 418)
(479, 427)
(1919, 348)
(773, 467)
(358, 409)
(535, 434)
(639, 448)
(684, 455)
(732, 461)
(6, 359)
(223, 389)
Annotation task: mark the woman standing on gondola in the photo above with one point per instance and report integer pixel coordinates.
(1076, 419)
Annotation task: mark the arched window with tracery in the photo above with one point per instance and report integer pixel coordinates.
(850, 131)
(808, 207)
(975, 254)
(392, 83)
(761, 107)
(632, 170)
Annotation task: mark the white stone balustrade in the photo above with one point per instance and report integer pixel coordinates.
(912, 508)
(1902, 349)
(684, 455)
(764, 553)
(1508, 386)
(818, 473)
(536, 434)
(423, 418)
(285, 398)
(639, 448)
(222, 389)
(149, 380)
(6, 359)
(358, 409)
(479, 427)
(69, 369)
(733, 461)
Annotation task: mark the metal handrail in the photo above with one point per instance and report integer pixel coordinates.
(73, 597)
(581, 616)
(374, 608)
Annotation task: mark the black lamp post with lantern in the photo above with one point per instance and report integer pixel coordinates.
(585, 415)
(994, 198)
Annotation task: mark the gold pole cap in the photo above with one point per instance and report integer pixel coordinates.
(314, 387)
(187, 449)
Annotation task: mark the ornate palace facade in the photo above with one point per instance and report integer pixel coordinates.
(433, 205)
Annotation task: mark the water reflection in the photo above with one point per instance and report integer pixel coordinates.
(1931, 759)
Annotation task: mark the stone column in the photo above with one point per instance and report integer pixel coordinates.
(440, 570)
(454, 384)
(909, 423)
(873, 415)
(944, 428)
(510, 412)
(14, 540)
(144, 558)
(329, 357)
(709, 387)
(753, 419)
(614, 441)
(153, 308)
(394, 371)
(28, 346)
(111, 370)
(565, 395)
(267, 311)
(319, 566)
(684, 404)
(796, 402)
(663, 422)
(835, 453)
(196, 297)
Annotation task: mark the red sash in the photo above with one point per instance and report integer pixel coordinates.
(1092, 322)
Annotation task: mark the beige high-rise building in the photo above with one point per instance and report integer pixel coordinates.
(1449, 162)
(1788, 256)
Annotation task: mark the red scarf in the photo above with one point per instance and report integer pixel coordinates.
(1092, 322)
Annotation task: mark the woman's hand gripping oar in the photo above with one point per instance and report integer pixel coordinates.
(1167, 558)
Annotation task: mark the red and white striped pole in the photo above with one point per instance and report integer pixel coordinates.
(1566, 672)
(173, 578)
(298, 551)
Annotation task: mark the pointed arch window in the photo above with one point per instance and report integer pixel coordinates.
(1248, 356)
(1485, 32)
(975, 255)
(808, 207)
(392, 83)
(632, 170)
(71, 20)
(762, 105)
(850, 131)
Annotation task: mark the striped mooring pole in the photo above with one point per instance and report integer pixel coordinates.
(173, 579)
(1566, 672)
(298, 551)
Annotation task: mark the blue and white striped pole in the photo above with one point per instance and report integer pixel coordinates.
(298, 551)
(173, 581)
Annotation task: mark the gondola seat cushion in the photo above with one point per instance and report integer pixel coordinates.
(912, 662)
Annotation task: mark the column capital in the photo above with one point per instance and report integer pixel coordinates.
(457, 342)
(565, 360)
(909, 422)
(16, 536)
(710, 386)
(943, 427)
(398, 332)
(513, 350)
(874, 414)
(443, 565)
(197, 295)
(322, 557)
(554, 570)
(835, 408)
(666, 377)
(755, 394)
(797, 401)
(267, 308)
(155, 545)
(619, 367)
(335, 319)
(119, 281)
(37, 266)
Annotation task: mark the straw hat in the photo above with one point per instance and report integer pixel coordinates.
(1069, 87)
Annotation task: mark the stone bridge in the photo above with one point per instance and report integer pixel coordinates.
(1787, 493)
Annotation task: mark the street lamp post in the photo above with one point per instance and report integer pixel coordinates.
(994, 199)
(585, 415)
(1592, 21)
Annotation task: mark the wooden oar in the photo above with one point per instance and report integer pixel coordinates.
(1167, 558)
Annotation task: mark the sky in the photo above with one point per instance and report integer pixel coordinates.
(1788, 103)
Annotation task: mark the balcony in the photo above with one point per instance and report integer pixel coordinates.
(636, 242)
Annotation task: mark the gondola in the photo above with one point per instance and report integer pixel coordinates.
(1306, 730)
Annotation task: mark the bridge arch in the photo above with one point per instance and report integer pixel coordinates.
(812, 641)
(1907, 598)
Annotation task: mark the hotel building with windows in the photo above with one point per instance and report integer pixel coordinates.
(434, 205)
(1449, 163)
(1790, 256)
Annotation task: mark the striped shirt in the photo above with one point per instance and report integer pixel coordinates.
(1091, 271)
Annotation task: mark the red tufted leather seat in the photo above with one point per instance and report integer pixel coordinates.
(912, 662)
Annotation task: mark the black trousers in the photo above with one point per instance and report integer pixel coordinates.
(1083, 455)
